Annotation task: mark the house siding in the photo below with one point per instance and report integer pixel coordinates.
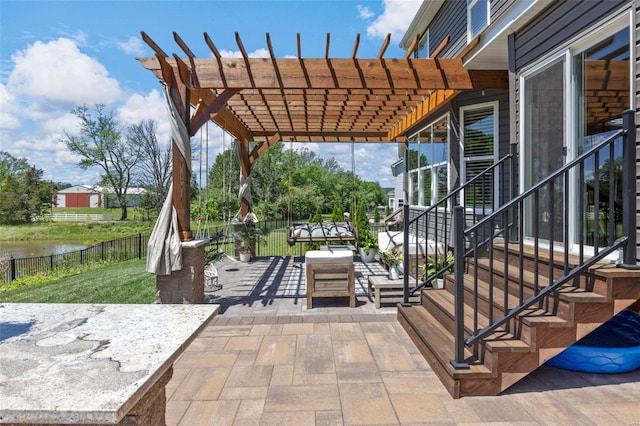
(451, 19)
(635, 37)
(552, 29)
(498, 7)
(463, 100)
(560, 22)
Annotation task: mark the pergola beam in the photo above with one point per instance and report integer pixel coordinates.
(328, 73)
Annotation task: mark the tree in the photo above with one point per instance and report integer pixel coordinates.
(100, 143)
(24, 195)
(154, 167)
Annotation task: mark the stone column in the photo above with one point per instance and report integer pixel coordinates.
(186, 285)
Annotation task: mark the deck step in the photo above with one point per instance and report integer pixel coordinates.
(523, 343)
(440, 343)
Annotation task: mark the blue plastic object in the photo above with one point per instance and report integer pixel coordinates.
(613, 347)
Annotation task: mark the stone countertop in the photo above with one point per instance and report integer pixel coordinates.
(80, 363)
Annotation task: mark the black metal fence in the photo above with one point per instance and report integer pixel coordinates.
(222, 238)
(272, 242)
(120, 249)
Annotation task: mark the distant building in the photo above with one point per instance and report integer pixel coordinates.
(79, 196)
(95, 196)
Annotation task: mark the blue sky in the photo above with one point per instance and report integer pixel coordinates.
(57, 55)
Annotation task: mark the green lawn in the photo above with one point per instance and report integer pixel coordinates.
(125, 282)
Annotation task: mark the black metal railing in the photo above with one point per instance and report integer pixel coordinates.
(540, 216)
(120, 249)
(429, 231)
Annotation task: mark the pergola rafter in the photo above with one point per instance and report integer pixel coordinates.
(309, 99)
(317, 99)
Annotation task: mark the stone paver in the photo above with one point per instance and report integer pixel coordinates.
(271, 361)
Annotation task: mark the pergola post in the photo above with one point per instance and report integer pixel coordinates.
(187, 284)
(245, 171)
(182, 178)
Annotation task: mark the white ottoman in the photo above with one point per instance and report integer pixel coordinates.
(330, 274)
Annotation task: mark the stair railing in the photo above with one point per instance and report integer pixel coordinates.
(435, 223)
(549, 201)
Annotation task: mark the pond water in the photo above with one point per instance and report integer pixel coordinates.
(20, 249)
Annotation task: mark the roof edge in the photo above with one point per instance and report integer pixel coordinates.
(425, 14)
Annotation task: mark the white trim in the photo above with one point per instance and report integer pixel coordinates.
(470, 5)
(563, 57)
(496, 143)
(422, 19)
(518, 15)
(567, 52)
(424, 41)
(445, 118)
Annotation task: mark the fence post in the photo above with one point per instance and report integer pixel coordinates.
(140, 246)
(458, 250)
(12, 267)
(102, 250)
(629, 189)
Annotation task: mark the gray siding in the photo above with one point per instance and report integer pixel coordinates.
(560, 22)
(451, 19)
(553, 28)
(498, 7)
(635, 37)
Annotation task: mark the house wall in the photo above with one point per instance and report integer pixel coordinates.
(551, 29)
(560, 22)
(443, 221)
(60, 200)
(635, 35)
(498, 7)
(94, 200)
(451, 19)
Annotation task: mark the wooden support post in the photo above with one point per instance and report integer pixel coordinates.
(182, 174)
(245, 170)
(182, 194)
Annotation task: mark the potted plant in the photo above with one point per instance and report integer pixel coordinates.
(434, 265)
(391, 259)
(248, 235)
(367, 245)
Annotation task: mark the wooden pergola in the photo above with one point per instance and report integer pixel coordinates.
(268, 100)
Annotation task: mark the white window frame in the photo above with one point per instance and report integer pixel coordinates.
(496, 144)
(423, 199)
(424, 43)
(470, 5)
(567, 52)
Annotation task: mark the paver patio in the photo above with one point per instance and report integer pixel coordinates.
(268, 360)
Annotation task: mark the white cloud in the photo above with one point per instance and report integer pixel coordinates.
(80, 37)
(150, 107)
(258, 53)
(143, 107)
(8, 120)
(57, 72)
(133, 46)
(58, 125)
(364, 11)
(395, 19)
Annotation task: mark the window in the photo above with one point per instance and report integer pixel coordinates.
(571, 101)
(479, 140)
(423, 47)
(477, 17)
(429, 163)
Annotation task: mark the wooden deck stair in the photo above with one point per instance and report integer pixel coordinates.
(538, 334)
